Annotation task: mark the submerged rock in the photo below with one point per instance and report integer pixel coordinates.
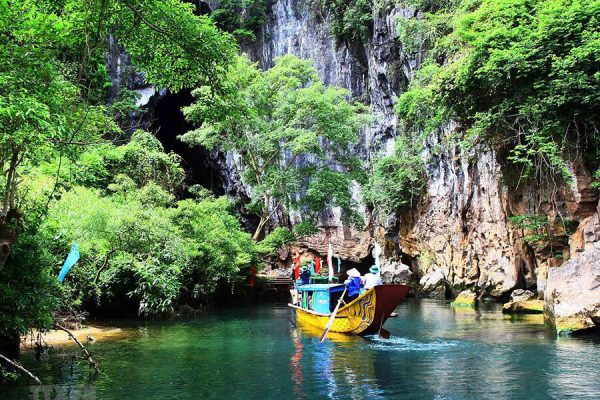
(572, 295)
(466, 298)
(523, 302)
(534, 306)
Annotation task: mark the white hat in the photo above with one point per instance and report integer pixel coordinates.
(353, 273)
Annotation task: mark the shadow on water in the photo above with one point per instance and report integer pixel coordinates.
(435, 352)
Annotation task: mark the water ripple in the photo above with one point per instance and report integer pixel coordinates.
(396, 343)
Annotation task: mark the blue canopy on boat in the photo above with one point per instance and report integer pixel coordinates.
(332, 287)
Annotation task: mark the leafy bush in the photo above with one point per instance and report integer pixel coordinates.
(142, 159)
(398, 181)
(351, 20)
(596, 179)
(243, 18)
(134, 245)
(534, 227)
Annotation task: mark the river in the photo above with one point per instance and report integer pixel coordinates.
(435, 352)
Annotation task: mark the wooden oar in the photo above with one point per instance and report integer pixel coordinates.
(383, 333)
(332, 318)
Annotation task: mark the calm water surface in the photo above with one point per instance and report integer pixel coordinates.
(435, 352)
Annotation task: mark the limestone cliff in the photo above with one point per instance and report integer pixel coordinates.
(463, 225)
(462, 230)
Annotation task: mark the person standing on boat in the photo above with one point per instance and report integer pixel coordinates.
(304, 275)
(352, 285)
(373, 278)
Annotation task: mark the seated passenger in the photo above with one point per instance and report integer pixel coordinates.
(353, 285)
(304, 275)
(372, 279)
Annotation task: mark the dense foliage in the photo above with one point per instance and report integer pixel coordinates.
(351, 20)
(243, 18)
(140, 244)
(275, 118)
(57, 152)
(398, 180)
(521, 75)
(52, 78)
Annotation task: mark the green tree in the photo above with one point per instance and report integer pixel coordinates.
(49, 68)
(289, 129)
(520, 75)
(351, 20)
(243, 18)
(398, 180)
(139, 247)
(53, 87)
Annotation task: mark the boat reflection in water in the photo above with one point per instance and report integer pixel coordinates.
(339, 367)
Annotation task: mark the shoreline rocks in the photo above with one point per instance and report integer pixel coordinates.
(433, 283)
(523, 302)
(466, 298)
(572, 294)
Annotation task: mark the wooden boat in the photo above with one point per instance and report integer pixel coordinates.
(365, 315)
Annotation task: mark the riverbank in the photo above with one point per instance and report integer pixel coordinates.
(86, 334)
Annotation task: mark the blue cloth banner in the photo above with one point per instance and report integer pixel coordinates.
(312, 267)
(72, 258)
(339, 264)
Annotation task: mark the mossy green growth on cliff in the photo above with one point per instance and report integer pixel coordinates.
(351, 20)
(243, 18)
(518, 75)
(397, 181)
(566, 326)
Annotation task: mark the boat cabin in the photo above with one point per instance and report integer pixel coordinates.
(320, 297)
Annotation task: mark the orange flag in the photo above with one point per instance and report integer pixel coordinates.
(297, 269)
(252, 274)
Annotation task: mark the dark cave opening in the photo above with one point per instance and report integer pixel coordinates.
(362, 266)
(168, 123)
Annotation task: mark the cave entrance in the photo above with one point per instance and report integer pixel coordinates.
(362, 266)
(168, 123)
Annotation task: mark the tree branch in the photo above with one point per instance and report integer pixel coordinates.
(20, 368)
(93, 363)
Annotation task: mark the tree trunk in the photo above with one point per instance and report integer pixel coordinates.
(259, 228)
(264, 218)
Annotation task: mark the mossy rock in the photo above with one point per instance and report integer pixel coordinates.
(466, 298)
(524, 307)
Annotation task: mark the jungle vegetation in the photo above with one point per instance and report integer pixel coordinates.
(289, 130)
(519, 76)
(74, 170)
(69, 172)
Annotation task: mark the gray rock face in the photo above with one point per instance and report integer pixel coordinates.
(521, 295)
(432, 279)
(395, 272)
(572, 296)
(464, 226)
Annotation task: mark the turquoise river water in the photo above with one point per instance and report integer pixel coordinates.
(435, 352)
